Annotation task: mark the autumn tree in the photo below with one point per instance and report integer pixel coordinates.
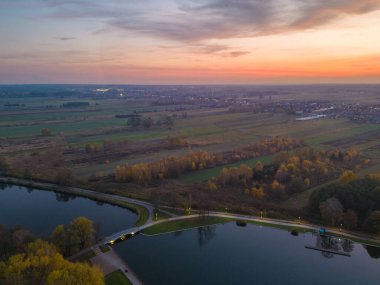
(258, 192)
(81, 231)
(59, 237)
(41, 264)
(212, 184)
(45, 132)
(76, 236)
(259, 166)
(347, 176)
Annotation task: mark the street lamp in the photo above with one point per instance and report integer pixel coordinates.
(299, 219)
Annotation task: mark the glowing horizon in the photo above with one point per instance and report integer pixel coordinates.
(190, 42)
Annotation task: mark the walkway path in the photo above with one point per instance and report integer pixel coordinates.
(110, 262)
(111, 239)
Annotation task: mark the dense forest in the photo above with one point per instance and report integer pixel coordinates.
(354, 204)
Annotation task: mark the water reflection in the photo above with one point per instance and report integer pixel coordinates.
(64, 197)
(205, 234)
(177, 233)
(330, 245)
(373, 251)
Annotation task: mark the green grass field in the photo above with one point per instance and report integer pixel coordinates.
(204, 175)
(173, 226)
(117, 278)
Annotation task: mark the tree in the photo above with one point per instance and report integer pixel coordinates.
(78, 273)
(295, 185)
(134, 121)
(58, 238)
(45, 132)
(212, 185)
(350, 220)
(64, 177)
(81, 230)
(168, 120)
(258, 192)
(347, 176)
(276, 185)
(331, 210)
(374, 222)
(147, 122)
(41, 264)
(259, 166)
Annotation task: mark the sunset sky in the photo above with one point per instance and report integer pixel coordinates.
(190, 41)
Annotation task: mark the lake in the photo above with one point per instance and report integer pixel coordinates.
(220, 254)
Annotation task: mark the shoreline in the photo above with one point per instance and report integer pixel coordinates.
(114, 199)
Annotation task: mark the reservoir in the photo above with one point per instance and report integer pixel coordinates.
(219, 254)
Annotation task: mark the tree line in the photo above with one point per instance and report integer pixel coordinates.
(174, 166)
(291, 172)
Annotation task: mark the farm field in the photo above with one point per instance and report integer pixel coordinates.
(88, 139)
(207, 129)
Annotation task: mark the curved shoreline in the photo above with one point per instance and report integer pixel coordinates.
(116, 199)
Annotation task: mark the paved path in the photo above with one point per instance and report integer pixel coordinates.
(110, 262)
(135, 230)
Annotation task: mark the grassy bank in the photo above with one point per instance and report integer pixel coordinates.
(117, 278)
(281, 227)
(141, 211)
(173, 226)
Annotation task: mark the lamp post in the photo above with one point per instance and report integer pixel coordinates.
(299, 219)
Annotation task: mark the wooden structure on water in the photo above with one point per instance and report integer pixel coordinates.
(328, 250)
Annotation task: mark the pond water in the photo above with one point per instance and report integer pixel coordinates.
(228, 254)
(41, 211)
(220, 254)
